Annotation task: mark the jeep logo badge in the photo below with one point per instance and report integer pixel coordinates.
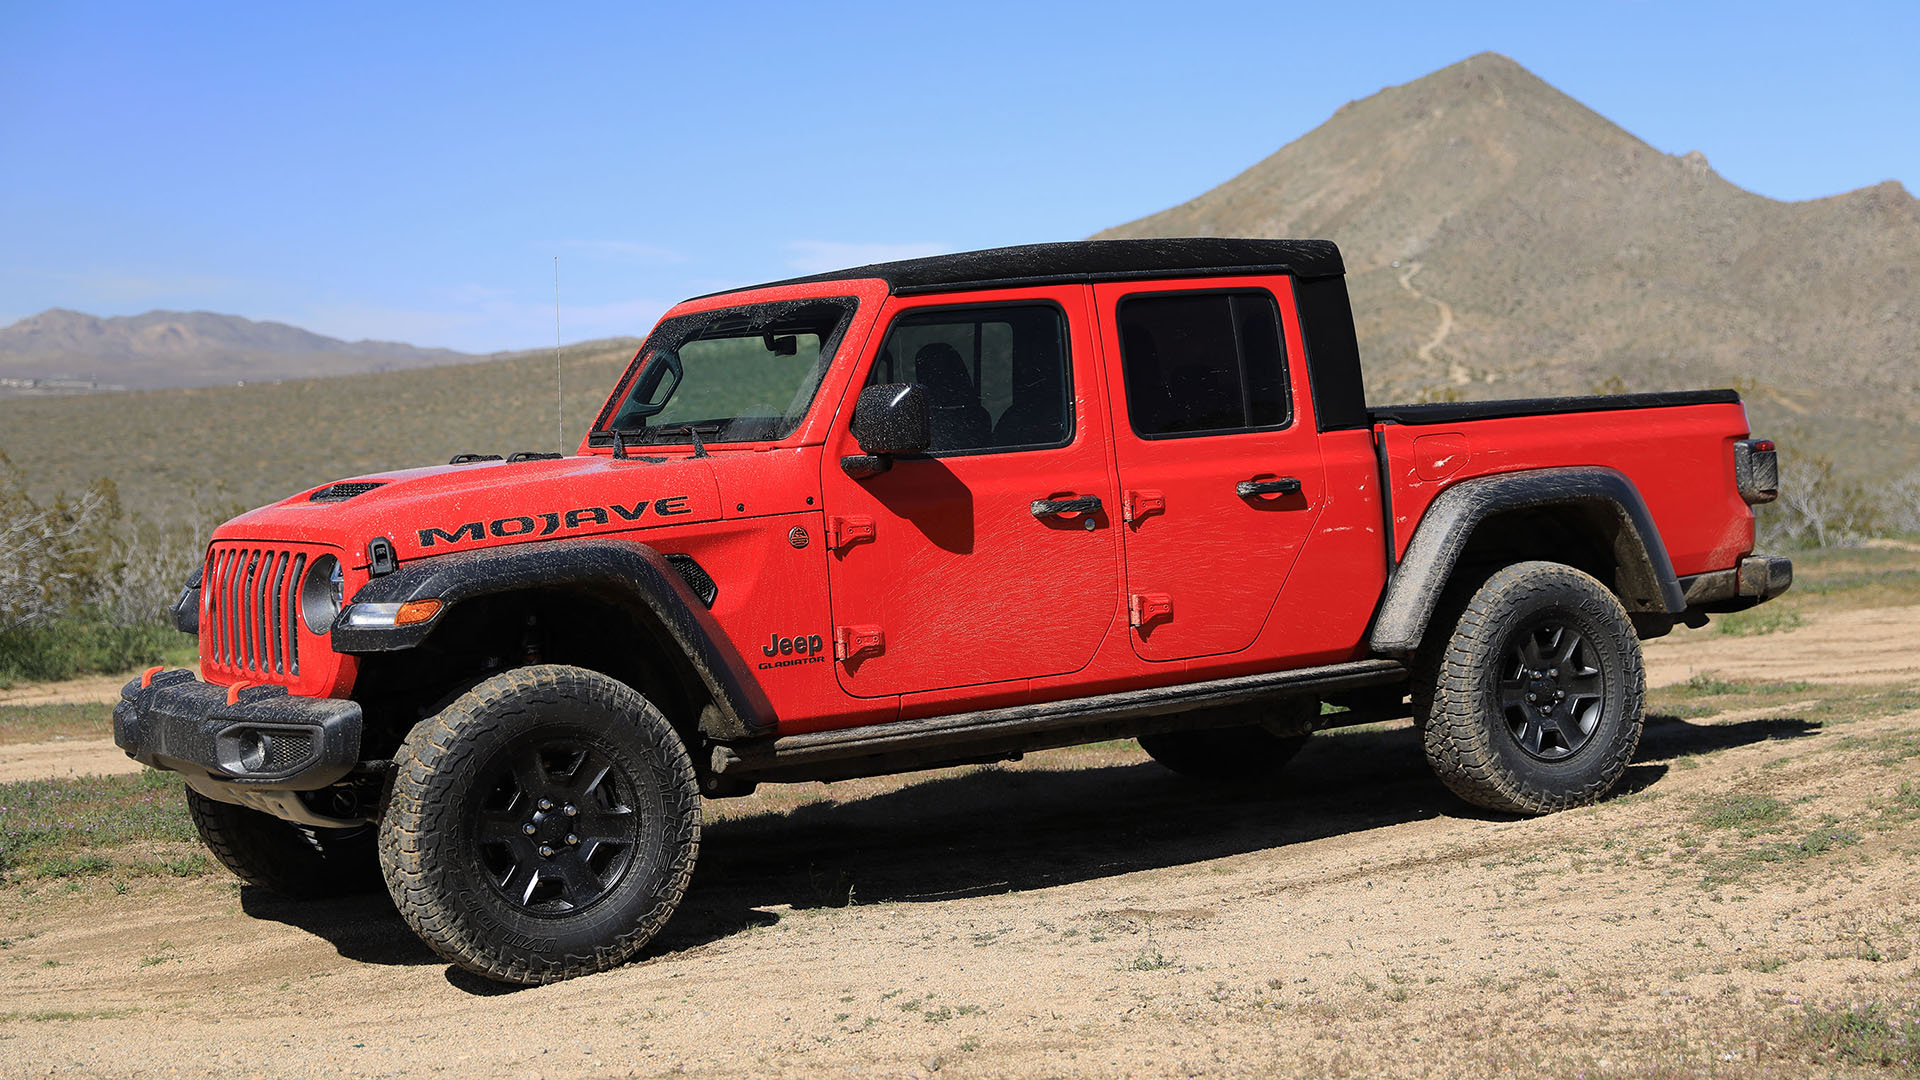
(786, 652)
(798, 537)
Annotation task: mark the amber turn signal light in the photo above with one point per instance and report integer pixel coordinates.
(416, 611)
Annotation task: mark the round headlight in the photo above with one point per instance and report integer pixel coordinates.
(321, 593)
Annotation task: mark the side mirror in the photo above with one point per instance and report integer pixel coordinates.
(889, 419)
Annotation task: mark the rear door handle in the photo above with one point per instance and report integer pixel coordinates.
(1285, 485)
(1082, 504)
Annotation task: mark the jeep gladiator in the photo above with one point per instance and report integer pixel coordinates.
(918, 514)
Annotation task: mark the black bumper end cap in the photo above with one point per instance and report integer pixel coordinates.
(1764, 577)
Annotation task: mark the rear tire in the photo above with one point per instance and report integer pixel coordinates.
(1537, 702)
(295, 861)
(544, 825)
(1268, 737)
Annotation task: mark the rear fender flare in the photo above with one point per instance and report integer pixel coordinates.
(632, 574)
(1644, 576)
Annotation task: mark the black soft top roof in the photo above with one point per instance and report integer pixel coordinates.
(1095, 260)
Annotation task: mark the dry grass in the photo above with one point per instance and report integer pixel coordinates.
(246, 446)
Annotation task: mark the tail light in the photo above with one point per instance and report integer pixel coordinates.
(1756, 470)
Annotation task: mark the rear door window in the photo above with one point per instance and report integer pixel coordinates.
(1202, 363)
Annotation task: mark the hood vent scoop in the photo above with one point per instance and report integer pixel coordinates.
(344, 490)
(517, 455)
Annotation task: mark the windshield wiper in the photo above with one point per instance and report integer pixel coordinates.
(621, 438)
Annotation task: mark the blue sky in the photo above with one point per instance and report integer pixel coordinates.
(410, 171)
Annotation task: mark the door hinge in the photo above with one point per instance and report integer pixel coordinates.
(843, 532)
(1143, 608)
(853, 641)
(1138, 504)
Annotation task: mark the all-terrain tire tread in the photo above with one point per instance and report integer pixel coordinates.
(263, 850)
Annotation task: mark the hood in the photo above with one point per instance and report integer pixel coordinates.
(444, 508)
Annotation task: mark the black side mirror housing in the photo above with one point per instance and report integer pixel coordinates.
(889, 419)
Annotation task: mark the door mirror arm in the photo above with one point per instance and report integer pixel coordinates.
(862, 466)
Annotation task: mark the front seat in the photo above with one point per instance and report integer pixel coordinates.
(958, 420)
(1037, 416)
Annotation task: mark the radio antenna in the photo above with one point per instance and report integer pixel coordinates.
(559, 402)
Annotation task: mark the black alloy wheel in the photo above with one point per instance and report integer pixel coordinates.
(1553, 690)
(558, 827)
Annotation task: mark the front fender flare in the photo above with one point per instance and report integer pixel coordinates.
(624, 571)
(1644, 573)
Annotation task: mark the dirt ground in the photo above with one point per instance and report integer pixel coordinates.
(72, 692)
(63, 757)
(1086, 913)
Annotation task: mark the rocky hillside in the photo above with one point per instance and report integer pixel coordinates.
(1505, 240)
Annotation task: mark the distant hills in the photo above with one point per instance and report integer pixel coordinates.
(65, 351)
(1504, 240)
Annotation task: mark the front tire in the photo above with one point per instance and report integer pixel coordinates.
(544, 825)
(1537, 703)
(295, 861)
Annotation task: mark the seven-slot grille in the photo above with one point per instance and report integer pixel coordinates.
(253, 609)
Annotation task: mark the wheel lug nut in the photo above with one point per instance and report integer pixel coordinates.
(546, 804)
(572, 810)
(1533, 697)
(1553, 672)
(528, 828)
(546, 852)
(572, 840)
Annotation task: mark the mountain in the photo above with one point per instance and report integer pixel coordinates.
(1504, 240)
(60, 350)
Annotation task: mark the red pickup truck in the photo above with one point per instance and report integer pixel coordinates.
(922, 513)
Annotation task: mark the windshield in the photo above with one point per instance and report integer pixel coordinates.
(743, 374)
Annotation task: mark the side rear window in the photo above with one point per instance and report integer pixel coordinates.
(996, 376)
(1200, 363)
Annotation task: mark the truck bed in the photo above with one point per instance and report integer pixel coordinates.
(1676, 449)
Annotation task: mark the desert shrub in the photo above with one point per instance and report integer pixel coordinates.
(50, 556)
(85, 587)
(1903, 503)
(1819, 508)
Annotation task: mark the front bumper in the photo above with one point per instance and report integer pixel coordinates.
(1756, 578)
(260, 738)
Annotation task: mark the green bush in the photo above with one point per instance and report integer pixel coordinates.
(71, 646)
(84, 587)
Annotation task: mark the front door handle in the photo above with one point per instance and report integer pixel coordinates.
(1080, 504)
(1286, 485)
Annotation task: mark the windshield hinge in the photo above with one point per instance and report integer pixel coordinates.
(843, 532)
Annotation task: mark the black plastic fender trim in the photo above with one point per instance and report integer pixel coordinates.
(623, 570)
(1638, 552)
